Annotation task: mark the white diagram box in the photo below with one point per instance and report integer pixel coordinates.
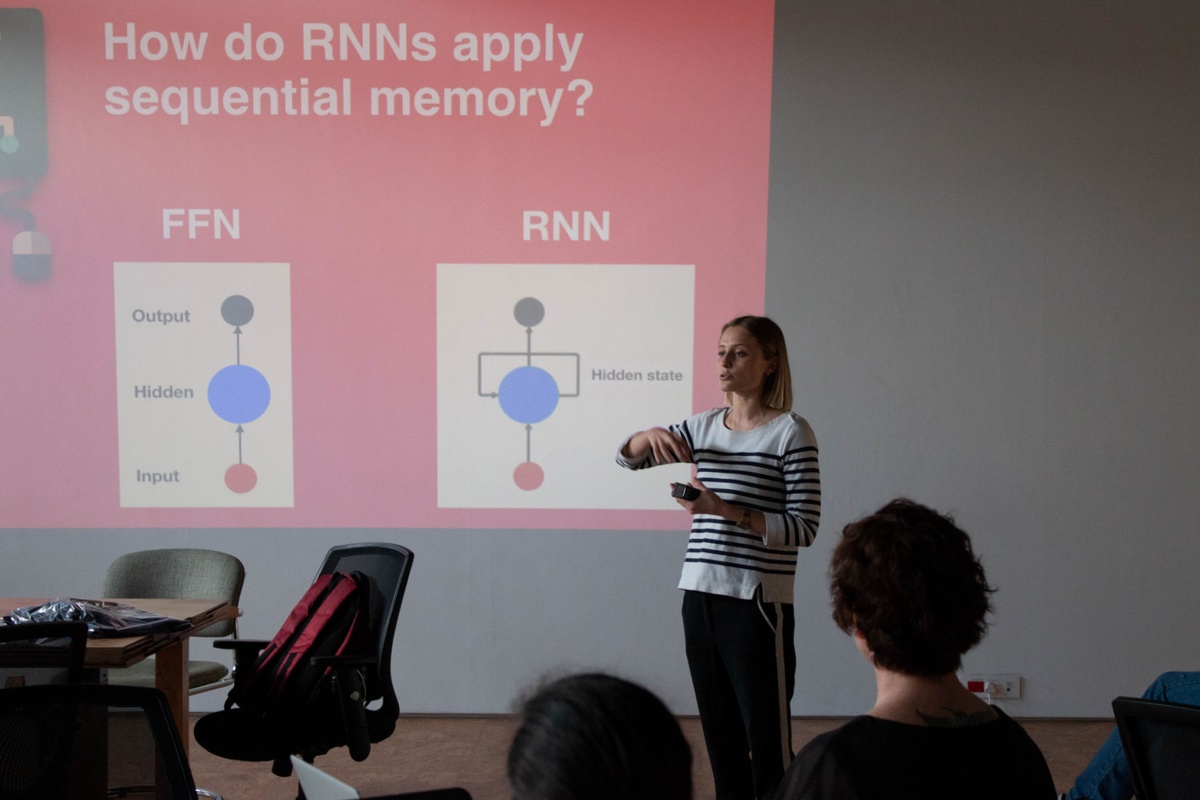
(204, 384)
(544, 369)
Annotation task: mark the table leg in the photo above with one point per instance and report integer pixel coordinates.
(171, 676)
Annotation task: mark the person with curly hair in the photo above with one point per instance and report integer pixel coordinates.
(906, 584)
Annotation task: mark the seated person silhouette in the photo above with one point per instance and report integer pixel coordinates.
(908, 587)
(598, 737)
(1107, 776)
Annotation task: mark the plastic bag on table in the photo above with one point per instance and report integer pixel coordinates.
(104, 618)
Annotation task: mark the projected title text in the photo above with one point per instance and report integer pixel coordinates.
(518, 53)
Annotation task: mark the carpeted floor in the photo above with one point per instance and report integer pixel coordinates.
(428, 752)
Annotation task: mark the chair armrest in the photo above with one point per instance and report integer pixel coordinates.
(244, 650)
(342, 661)
(235, 644)
(350, 688)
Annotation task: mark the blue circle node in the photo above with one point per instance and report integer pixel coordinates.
(528, 394)
(239, 394)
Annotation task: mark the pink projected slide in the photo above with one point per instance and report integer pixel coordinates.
(376, 264)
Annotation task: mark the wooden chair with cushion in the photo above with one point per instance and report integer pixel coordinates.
(178, 573)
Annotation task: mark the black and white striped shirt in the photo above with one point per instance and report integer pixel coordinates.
(773, 469)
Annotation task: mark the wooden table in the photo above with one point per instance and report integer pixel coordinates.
(170, 650)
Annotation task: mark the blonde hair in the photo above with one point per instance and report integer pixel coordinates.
(777, 386)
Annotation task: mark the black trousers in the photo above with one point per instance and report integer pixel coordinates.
(742, 656)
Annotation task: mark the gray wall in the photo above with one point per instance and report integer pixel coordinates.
(983, 248)
(985, 251)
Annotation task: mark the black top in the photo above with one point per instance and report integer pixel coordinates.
(873, 759)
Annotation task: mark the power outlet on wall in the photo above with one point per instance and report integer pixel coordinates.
(996, 687)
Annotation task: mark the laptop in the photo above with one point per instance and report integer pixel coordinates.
(320, 785)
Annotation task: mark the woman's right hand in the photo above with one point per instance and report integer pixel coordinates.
(664, 446)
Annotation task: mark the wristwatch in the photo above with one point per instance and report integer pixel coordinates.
(744, 522)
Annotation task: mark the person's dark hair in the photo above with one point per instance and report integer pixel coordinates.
(777, 387)
(908, 580)
(598, 737)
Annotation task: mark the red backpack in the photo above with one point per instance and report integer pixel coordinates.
(331, 619)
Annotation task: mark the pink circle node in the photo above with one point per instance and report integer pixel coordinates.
(528, 476)
(241, 478)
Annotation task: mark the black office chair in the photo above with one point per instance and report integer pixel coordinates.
(356, 683)
(90, 740)
(34, 653)
(1162, 744)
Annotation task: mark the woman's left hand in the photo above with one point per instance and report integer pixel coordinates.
(706, 503)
